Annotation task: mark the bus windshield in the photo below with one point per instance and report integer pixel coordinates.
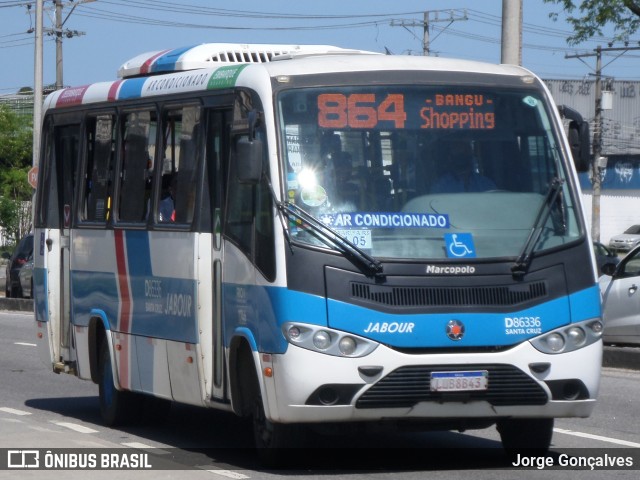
(429, 172)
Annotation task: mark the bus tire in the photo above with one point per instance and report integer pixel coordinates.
(532, 435)
(116, 407)
(271, 439)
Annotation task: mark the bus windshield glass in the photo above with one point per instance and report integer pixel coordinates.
(429, 172)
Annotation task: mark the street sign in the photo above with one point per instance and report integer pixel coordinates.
(32, 177)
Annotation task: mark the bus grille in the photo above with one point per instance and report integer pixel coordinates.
(499, 295)
(409, 385)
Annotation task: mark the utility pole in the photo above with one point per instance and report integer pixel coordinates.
(598, 162)
(59, 33)
(37, 86)
(430, 17)
(511, 45)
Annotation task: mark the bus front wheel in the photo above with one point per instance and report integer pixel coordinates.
(272, 439)
(530, 434)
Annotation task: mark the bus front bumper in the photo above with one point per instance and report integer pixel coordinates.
(308, 387)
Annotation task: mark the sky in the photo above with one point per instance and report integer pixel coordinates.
(113, 31)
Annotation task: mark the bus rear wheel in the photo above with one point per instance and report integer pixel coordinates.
(116, 407)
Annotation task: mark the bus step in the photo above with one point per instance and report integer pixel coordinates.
(65, 367)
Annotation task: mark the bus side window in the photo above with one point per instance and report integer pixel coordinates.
(48, 210)
(100, 149)
(180, 164)
(59, 175)
(249, 218)
(137, 162)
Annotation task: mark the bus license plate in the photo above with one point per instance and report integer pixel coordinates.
(459, 381)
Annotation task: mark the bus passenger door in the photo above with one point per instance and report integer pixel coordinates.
(58, 241)
(217, 148)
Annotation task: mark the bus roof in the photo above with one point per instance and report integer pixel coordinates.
(208, 55)
(218, 66)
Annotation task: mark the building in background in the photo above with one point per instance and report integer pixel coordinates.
(620, 197)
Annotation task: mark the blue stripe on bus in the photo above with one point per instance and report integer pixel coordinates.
(263, 310)
(138, 254)
(131, 88)
(39, 294)
(586, 304)
(480, 329)
(171, 317)
(167, 62)
(91, 291)
(165, 310)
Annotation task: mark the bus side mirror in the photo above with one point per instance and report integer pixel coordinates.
(578, 135)
(249, 160)
(579, 141)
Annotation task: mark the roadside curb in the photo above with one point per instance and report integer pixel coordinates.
(621, 357)
(16, 304)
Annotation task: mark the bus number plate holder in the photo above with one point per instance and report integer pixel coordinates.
(459, 381)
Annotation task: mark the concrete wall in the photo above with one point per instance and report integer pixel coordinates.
(618, 211)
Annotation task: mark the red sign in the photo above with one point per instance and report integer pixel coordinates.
(32, 177)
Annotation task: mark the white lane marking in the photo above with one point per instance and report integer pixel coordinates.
(14, 411)
(228, 474)
(597, 437)
(142, 446)
(75, 427)
(24, 344)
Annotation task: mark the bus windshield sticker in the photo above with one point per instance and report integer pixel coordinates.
(365, 220)
(460, 245)
(360, 238)
(529, 100)
(292, 136)
(438, 111)
(313, 196)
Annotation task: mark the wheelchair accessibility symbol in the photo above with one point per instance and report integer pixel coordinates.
(460, 245)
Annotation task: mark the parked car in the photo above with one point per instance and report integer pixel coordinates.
(25, 274)
(604, 255)
(17, 259)
(627, 240)
(620, 289)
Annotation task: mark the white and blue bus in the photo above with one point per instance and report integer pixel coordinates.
(308, 235)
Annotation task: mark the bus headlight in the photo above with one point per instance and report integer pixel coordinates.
(321, 340)
(555, 342)
(570, 337)
(347, 346)
(327, 340)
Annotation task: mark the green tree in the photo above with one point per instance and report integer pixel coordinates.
(15, 161)
(589, 17)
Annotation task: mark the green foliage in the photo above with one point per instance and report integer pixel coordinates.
(589, 17)
(15, 161)
(16, 138)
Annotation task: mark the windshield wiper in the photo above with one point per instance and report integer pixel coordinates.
(363, 260)
(369, 265)
(524, 259)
